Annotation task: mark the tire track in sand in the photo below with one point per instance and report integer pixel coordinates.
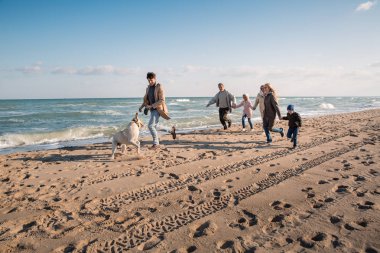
(157, 228)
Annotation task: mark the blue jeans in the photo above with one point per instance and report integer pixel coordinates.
(153, 121)
(267, 132)
(243, 121)
(292, 133)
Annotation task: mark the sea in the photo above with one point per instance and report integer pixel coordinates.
(40, 124)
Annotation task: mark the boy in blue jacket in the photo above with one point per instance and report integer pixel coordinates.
(295, 123)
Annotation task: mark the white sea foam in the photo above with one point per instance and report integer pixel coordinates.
(80, 133)
(182, 100)
(327, 106)
(105, 112)
(16, 120)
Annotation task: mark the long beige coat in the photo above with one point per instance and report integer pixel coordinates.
(160, 104)
(260, 101)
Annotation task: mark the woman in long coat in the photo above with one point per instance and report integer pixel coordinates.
(271, 108)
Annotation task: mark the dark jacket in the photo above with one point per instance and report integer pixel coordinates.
(271, 107)
(294, 120)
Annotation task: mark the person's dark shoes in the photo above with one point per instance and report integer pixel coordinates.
(282, 132)
(294, 147)
(292, 139)
(225, 127)
(154, 147)
(229, 124)
(269, 141)
(174, 135)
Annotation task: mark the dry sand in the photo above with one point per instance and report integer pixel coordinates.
(208, 191)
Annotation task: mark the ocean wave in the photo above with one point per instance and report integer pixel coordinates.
(105, 112)
(15, 120)
(182, 100)
(79, 133)
(326, 106)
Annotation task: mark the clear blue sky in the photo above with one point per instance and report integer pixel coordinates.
(62, 49)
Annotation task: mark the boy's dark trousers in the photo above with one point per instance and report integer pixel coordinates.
(223, 117)
(293, 133)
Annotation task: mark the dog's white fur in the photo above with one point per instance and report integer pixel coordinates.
(130, 135)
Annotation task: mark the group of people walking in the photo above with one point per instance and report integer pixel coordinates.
(266, 100)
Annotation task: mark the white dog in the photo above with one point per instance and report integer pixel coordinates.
(130, 135)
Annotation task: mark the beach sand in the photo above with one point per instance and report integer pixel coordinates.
(207, 191)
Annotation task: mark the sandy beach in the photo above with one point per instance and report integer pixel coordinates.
(206, 191)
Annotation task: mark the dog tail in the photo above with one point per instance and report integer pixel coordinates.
(174, 135)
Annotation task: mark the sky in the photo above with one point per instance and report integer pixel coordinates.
(103, 49)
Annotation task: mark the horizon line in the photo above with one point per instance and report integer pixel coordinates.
(2, 99)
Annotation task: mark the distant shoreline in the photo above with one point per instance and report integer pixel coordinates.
(251, 96)
(162, 132)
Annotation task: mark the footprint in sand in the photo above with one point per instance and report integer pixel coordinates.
(278, 205)
(329, 199)
(318, 205)
(172, 175)
(370, 250)
(150, 244)
(206, 228)
(277, 218)
(216, 193)
(362, 222)
(359, 178)
(309, 192)
(249, 219)
(28, 247)
(373, 172)
(306, 243)
(319, 236)
(322, 182)
(360, 192)
(341, 189)
(191, 249)
(365, 205)
(229, 244)
(192, 188)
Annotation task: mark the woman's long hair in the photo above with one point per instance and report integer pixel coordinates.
(272, 91)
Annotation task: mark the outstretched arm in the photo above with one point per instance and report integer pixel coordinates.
(239, 105)
(256, 103)
(212, 101)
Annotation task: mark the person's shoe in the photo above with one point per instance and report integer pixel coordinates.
(173, 133)
(251, 129)
(269, 142)
(229, 124)
(292, 139)
(154, 147)
(243, 130)
(282, 132)
(294, 147)
(225, 127)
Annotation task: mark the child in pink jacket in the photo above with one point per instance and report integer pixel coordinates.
(247, 111)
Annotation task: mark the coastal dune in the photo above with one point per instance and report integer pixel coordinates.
(207, 191)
